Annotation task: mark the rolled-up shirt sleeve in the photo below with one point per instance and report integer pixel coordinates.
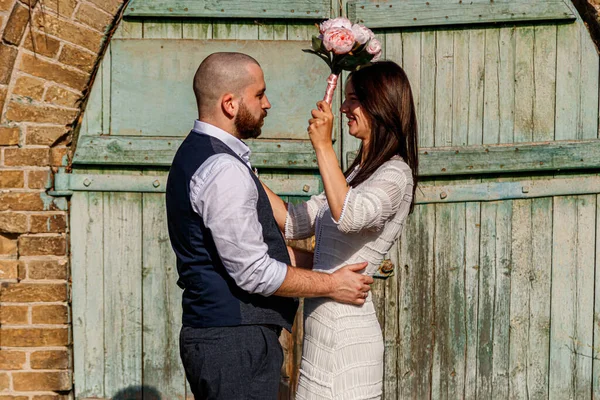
(223, 193)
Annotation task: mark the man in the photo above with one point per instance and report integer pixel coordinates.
(232, 259)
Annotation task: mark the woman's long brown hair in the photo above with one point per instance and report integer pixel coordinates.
(385, 96)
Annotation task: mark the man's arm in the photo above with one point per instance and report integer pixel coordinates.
(224, 195)
(345, 285)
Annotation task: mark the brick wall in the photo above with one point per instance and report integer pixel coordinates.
(48, 50)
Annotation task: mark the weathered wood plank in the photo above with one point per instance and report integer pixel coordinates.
(416, 310)
(460, 92)
(596, 344)
(414, 13)
(571, 335)
(288, 9)
(492, 190)
(87, 269)
(162, 28)
(491, 110)
(443, 88)
(440, 369)
(428, 90)
(466, 160)
(163, 70)
(494, 300)
(544, 82)
(472, 236)
(507, 90)
(524, 85)
(501, 318)
(568, 81)
(539, 298)
(391, 335)
(411, 63)
(522, 261)
(161, 305)
(588, 118)
(476, 85)
(122, 226)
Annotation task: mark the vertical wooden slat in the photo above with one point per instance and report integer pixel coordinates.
(163, 370)
(596, 344)
(568, 81)
(539, 298)
(122, 290)
(87, 269)
(588, 118)
(456, 298)
(411, 63)
(472, 235)
(524, 85)
(501, 322)
(196, 29)
(506, 85)
(571, 335)
(443, 87)
(129, 29)
(416, 308)
(491, 110)
(476, 85)
(428, 89)
(522, 258)
(391, 330)
(162, 28)
(460, 93)
(494, 300)
(545, 83)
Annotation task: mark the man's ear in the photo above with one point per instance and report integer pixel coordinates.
(229, 104)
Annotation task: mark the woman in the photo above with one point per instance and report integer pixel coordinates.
(357, 218)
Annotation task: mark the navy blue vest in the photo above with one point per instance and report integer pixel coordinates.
(211, 297)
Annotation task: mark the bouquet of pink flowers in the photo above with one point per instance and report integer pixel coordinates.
(344, 46)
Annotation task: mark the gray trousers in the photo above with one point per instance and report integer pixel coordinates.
(232, 363)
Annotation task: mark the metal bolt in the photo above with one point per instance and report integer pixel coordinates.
(443, 195)
(156, 183)
(525, 189)
(87, 182)
(305, 188)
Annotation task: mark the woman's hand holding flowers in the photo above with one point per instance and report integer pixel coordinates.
(320, 126)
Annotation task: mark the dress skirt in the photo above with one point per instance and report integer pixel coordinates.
(342, 355)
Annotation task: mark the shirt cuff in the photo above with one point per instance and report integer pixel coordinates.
(279, 272)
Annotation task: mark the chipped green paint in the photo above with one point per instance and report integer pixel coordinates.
(295, 9)
(417, 13)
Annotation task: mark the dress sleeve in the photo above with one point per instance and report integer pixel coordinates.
(301, 217)
(375, 201)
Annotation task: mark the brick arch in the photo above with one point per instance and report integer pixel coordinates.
(49, 52)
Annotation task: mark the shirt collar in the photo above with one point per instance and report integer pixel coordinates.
(240, 148)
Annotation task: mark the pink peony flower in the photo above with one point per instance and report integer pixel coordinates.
(374, 47)
(340, 40)
(362, 34)
(339, 22)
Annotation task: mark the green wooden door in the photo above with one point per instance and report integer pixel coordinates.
(126, 304)
(494, 294)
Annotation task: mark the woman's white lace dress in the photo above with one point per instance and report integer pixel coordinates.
(342, 355)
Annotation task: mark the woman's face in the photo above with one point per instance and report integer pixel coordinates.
(359, 123)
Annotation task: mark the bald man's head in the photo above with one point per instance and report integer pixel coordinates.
(218, 74)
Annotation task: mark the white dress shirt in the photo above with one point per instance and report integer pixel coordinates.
(224, 194)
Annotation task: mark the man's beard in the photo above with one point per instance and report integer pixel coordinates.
(246, 125)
